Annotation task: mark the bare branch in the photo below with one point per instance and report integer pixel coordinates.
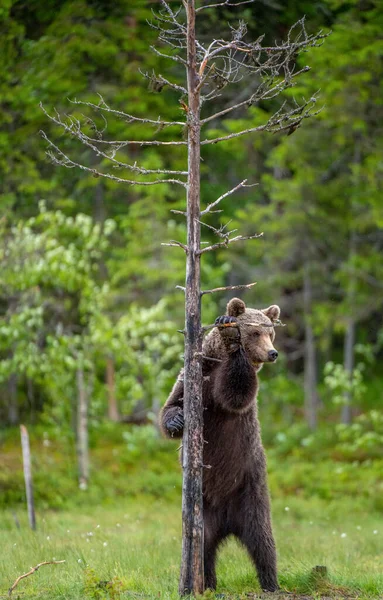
(180, 287)
(234, 189)
(176, 244)
(229, 288)
(178, 34)
(102, 106)
(256, 97)
(73, 126)
(33, 570)
(225, 244)
(218, 231)
(59, 158)
(174, 57)
(276, 323)
(288, 121)
(228, 61)
(224, 3)
(178, 212)
(72, 129)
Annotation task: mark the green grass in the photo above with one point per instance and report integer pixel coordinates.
(136, 546)
(122, 537)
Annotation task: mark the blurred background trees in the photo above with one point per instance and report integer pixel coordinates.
(86, 286)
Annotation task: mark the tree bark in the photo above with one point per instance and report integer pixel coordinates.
(82, 431)
(192, 576)
(113, 412)
(13, 409)
(310, 358)
(349, 338)
(349, 341)
(28, 475)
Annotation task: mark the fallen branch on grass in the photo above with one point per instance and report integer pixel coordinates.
(33, 569)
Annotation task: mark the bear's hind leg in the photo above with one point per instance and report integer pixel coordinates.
(213, 536)
(262, 551)
(257, 537)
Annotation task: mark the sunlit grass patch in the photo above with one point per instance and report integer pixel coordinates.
(132, 549)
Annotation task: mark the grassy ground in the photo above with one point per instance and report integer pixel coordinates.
(128, 545)
(134, 548)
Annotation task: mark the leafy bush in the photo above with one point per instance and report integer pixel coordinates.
(363, 439)
(360, 441)
(141, 440)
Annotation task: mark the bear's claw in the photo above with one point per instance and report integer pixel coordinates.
(229, 332)
(226, 321)
(176, 423)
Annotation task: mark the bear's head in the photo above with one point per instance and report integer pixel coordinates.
(257, 330)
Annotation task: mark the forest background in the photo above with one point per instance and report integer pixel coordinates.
(88, 305)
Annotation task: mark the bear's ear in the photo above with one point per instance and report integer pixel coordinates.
(272, 312)
(235, 307)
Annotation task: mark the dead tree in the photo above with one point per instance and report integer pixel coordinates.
(209, 68)
(28, 475)
(82, 441)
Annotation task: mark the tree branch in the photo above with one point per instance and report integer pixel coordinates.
(176, 244)
(60, 158)
(234, 189)
(218, 231)
(288, 121)
(224, 3)
(33, 570)
(74, 128)
(71, 129)
(225, 244)
(255, 98)
(129, 118)
(174, 57)
(229, 288)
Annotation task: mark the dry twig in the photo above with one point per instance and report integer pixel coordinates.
(225, 244)
(229, 288)
(33, 570)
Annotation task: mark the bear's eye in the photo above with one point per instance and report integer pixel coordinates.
(257, 333)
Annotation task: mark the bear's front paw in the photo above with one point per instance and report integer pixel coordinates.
(176, 423)
(229, 330)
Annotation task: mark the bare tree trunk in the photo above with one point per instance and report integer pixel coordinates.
(28, 475)
(31, 399)
(349, 341)
(113, 412)
(82, 431)
(13, 409)
(310, 358)
(192, 576)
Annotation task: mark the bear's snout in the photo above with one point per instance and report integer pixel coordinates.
(273, 355)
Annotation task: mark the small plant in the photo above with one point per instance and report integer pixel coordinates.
(98, 589)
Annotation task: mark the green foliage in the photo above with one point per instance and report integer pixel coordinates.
(363, 439)
(50, 290)
(358, 442)
(140, 440)
(343, 384)
(146, 349)
(85, 279)
(98, 589)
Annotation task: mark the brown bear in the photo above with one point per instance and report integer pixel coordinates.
(235, 493)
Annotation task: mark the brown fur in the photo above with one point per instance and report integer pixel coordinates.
(236, 499)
